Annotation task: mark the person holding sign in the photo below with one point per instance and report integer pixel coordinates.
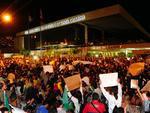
(145, 97)
(74, 100)
(95, 106)
(110, 96)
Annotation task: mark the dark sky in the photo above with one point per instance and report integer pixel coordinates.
(58, 9)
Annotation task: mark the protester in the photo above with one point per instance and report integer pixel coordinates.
(74, 100)
(95, 106)
(4, 94)
(43, 108)
(2, 108)
(59, 107)
(145, 97)
(118, 110)
(112, 98)
(35, 86)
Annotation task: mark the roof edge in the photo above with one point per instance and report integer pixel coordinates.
(134, 22)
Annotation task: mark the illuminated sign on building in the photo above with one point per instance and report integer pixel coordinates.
(56, 24)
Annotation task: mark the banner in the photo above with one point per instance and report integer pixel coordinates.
(82, 62)
(134, 84)
(146, 87)
(136, 68)
(73, 82)
(86, 62)
(48, 68)
(109, 79)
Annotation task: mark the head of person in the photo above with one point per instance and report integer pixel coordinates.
(148, 95)
(46, 103)
(3, 85)
(59, 103)
(77, 94)
(4, 110)
(95, 96)
(118, 110)
(70, 111)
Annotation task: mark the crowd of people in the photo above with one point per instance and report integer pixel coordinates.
(24, 84)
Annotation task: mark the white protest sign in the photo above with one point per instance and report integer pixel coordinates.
(134, 84)
(109, 79)
(83, 62)
(17, 110)
(62, 67)
(86, 62)
(48, 68)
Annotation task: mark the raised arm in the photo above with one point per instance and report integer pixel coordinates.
(141, 96)
(74, 100)
(105, 93)
(119, 94)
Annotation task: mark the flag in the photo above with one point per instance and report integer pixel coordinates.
(67, 103)
(65, 100)
(41, 16)
(6, 101)
(29, 18)
(136, 68)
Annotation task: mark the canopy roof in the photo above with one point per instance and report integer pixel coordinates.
(113, 20)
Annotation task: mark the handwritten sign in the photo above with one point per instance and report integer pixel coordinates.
(109, 79)
(73, 82)
(48, 68)
(134, 84)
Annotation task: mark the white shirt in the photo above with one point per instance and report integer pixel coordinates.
(112, 102)
(60, 110)
(98, 91)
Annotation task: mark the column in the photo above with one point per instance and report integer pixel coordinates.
(86, 34)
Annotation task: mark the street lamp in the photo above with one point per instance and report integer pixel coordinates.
(7, 18)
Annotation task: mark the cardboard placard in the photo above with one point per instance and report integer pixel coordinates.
(109, 79)
(73, 82)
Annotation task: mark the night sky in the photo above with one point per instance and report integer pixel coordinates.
(53, 10)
